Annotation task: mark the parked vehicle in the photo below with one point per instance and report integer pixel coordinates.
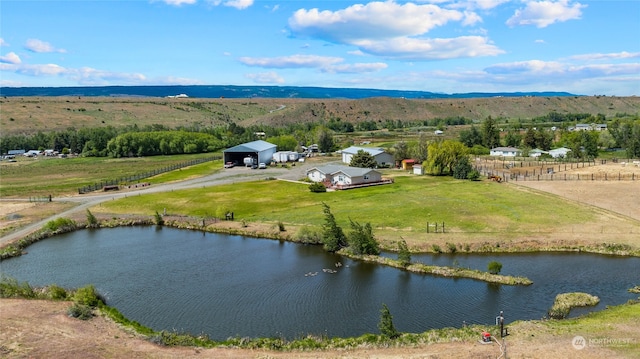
(229, 165)
(262, 166)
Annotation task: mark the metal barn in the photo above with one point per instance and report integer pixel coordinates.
(260, 151)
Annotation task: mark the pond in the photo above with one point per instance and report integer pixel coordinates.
(225, 286)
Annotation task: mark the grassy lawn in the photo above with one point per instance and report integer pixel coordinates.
(396, 211)
(43, 176)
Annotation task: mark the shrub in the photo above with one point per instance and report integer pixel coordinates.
(436, 248)
(11, 288)
(494, 267)
(159, 219)
(86, 296)
(317, 187)
(281, 226)
(452, 247)
(57, 292)
(60, 224)
(91, 219)
(310, 235)
(80, 311)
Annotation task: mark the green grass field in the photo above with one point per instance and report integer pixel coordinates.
(400, 209)
(30, 177)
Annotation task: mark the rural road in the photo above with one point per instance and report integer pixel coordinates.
(226, 176)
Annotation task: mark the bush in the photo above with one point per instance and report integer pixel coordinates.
(86, 296)
(91, 219)
(60, 224)
(11, 288)
(436, 248)
(57, 292)
(281, 226)
(452, 247)
(309, 235)
(80, 311)
(494, 267)
(159, 219)
(317, 187)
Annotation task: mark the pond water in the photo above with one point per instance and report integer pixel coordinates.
(224, 286)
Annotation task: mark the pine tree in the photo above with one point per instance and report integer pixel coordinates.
(333, 238)
(386, 323)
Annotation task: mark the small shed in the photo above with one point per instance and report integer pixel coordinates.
(407, 164)
(261, 151)
(418, 170)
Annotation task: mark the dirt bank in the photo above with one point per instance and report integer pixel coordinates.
(41, 329)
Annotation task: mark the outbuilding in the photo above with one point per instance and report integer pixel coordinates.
(259, 151)
(382, 158)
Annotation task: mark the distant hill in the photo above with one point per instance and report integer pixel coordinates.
(32, 114)
(220, 91)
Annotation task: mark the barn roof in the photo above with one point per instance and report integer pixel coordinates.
(254, 146)
(372, 151)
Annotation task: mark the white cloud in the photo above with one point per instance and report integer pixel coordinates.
(10, 58)
(294, 61)
(265, 78)
(238, 4)
(430, 49)
(393, 30)
(35, 45)
(323, 63)
(40, 70)
(357, 68)
(3, 43)
(609, 56)
(379, 20)
(179, 2)
(544, 13)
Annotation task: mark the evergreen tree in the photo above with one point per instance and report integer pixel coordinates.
(386, 323)
(404, 256)
(462, 168)
(361, 240)
(333, 238)
(325, 141)
(363, 159)
(490, 133)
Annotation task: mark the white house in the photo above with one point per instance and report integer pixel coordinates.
(559, 152)
(504, 151)
(338, 175)
(382, 158)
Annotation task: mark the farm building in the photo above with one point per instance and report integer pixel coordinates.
(504, 151)
(559, 152)
(407, 164)
(260, 151)
(536, 152)
(382, 158)
(338, 175)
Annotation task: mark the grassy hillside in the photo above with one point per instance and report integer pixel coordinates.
(27, 115)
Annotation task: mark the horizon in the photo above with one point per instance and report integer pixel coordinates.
(437, 46)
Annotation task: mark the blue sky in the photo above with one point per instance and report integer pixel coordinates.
(583, 47)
